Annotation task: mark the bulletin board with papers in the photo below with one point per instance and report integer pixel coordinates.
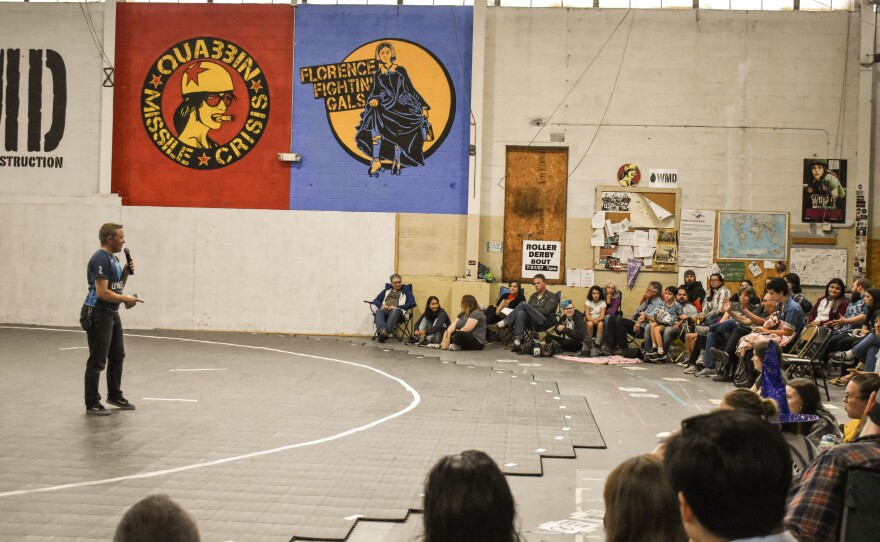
(636, 223)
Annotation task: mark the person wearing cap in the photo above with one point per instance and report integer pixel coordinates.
(816, 499)
(571, 332)
(696, 292)
(207, 95)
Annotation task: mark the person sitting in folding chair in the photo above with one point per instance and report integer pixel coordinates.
(614, 341)
(391, 304)
(665, 325)
(539, 313)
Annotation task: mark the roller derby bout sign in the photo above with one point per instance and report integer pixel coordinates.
(205, 103)
(541, 257)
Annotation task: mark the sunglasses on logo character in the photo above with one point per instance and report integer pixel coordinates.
(213, 99)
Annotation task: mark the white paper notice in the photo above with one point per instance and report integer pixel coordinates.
(609, 229)
(588, 278)
(598, 238)
(661, 213)
(696, 238)
(623, 253)
(641, 239)
(598, 219)
(627, 238)
(769, 264)
(643, 252)
(624, 225)
(573, 277)
(506, 310)
(652, 238)
(755, 269)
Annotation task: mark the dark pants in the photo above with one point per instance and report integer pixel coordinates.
(466, 341)
(730, 348)
(104, 333)
(618, 327)
(567, 344)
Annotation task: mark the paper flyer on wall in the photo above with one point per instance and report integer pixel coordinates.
(696, 237)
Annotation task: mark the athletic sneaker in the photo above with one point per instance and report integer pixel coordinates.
(454, 347)
(122, 403)
(97, 410)
(432, 345)
(412, 340)
(691, 370)
(722, 378)
(839, 357)
(702, 330)
(502, 324)
(661, 358)
(682, 363)
(706, 371)
(517, 342)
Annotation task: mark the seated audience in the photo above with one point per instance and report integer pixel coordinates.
(695, 291)
(468, 331)
(855, 402)
(855, 317)
(640, 503)
(510, 300)
(618, 327)
(739, 318)
(613, 299)
(431, 324)
(157, 518)
(467, 498)
(539, 313)
(571, 333)
(865, 350)
(664, 325)
(743, 284)
(748, 401)
(716, 296)
(594, 313)
(731, 471)
(830, 307)
(780, 327)
(390, 306)
(816, 499)
(803, 398)
(840, 345)
(793, 280)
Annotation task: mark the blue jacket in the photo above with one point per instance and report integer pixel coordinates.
(407, 299)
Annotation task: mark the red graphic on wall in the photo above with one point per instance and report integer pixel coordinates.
(192, 121)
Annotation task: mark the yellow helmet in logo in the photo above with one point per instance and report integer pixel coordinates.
(205, 76)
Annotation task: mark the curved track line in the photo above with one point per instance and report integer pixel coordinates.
(415, 402)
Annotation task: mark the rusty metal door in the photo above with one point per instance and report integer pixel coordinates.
(535, 204)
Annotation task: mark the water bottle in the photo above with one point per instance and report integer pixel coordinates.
(536, 348)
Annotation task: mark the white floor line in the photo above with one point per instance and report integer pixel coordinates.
(416, 399)
(164, 399)
(74, 348)
(192, 370)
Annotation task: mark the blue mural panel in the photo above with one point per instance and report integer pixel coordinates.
(381, 108)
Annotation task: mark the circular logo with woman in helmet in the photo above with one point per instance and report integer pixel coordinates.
(205, 103)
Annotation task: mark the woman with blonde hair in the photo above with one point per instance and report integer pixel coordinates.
(468, 330)
(640, 504)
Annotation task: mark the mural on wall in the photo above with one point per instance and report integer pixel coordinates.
(202, 107)
(824, 198)
(381, 109)
(44, 67)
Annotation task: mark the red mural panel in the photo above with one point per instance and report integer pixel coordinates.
(202, 105)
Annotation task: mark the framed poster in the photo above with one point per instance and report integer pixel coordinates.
(824, 198)
(744, 235)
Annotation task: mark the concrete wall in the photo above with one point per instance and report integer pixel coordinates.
(734, 100)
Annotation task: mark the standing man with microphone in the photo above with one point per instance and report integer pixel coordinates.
(100, 319)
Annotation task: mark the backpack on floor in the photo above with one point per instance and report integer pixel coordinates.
(744, 377)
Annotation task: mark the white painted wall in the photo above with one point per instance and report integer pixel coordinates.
(60, 27)
(786, 75)
(206, 269)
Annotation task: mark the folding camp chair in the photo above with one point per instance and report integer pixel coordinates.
(804, 362)
(403, 328)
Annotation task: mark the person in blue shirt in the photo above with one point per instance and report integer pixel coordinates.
(100, 320)
(614, 340)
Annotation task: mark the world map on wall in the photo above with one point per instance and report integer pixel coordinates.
(752, 236)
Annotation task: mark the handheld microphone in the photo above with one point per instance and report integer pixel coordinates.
(128, 260)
